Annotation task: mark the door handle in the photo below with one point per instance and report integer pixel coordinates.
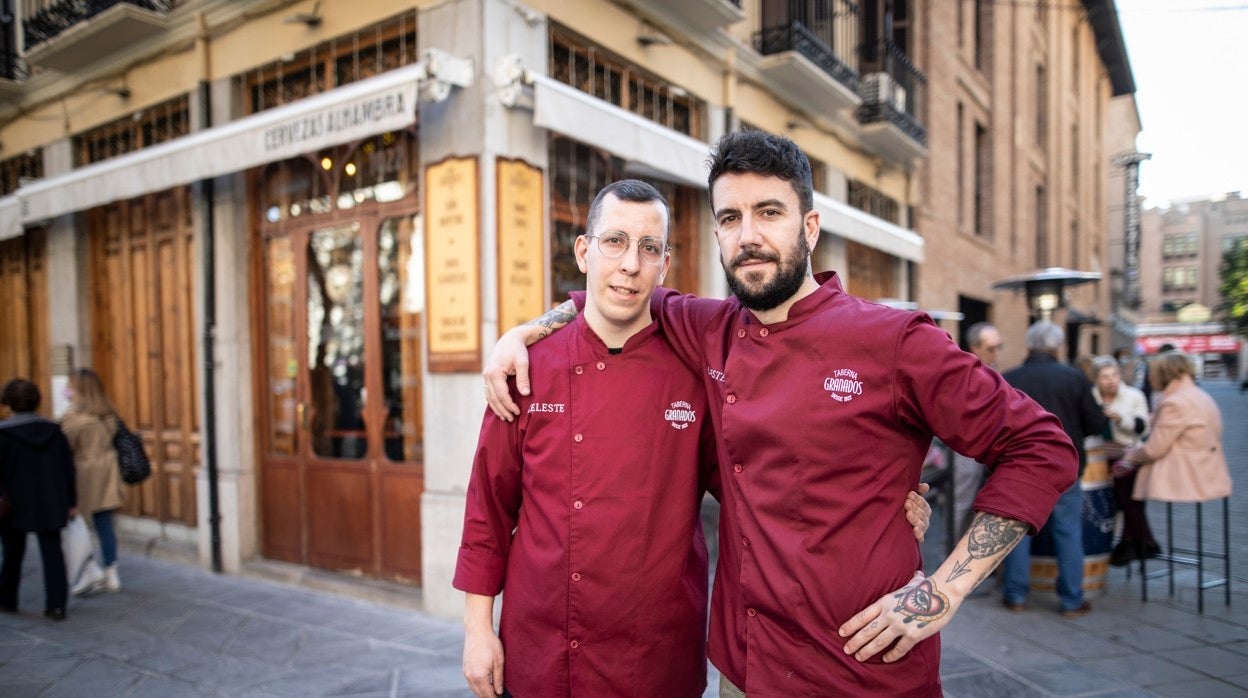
(301, 414)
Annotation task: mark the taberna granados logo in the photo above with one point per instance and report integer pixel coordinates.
(680, 415)
(843, 385)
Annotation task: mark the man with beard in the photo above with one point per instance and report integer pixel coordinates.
(824, 406)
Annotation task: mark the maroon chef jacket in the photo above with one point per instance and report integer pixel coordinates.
(823, 422)
(604, 579)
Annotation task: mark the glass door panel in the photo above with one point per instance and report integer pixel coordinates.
(283, 365)
(335, 317)
(401, 290)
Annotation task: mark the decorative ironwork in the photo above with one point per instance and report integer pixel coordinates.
(896, 93)
(156, 124)
(577, 62)
(820, 48)
(53, 18)
(15, 170)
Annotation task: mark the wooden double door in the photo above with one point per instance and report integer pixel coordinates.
(339, 394)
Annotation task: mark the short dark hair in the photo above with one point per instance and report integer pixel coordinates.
(633, 190)
(20, 395)
(759, 152)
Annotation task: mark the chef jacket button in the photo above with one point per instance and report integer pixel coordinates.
(745, 542)
(579, 370)
(602, 365)
(578, 438)
(741, 333)
(751, 612)
(576, 576)
(578, 504)
(732, 399)
(763, 332)
(574, 644)
(738, 468)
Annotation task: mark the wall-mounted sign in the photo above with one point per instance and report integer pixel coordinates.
(1191, 344)
(452, 255)
(521, 230)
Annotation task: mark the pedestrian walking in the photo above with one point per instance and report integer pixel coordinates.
(37, 477)
(90, 425)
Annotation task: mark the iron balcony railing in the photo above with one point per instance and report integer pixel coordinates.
(895, 91)
(825, 33)
(45, 20)
(12, 67)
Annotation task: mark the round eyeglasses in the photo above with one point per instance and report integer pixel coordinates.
(614, 245)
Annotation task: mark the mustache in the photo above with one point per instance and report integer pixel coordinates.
(749, 255)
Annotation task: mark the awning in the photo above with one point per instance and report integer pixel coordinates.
(385, 102)
(650, 149)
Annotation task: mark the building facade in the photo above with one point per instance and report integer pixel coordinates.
(1022, 126)
(285, 233)
(1181, 248)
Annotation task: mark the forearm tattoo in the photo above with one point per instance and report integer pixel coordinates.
(989, 536)
(921, 603)
(556, 317)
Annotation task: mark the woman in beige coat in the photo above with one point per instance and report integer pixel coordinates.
(1183, 459)
(90, 425)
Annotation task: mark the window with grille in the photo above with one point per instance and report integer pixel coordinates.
(147, 127)
(340, 61)
(13, 171)
(1184, 245)
(864, 197)
(576, 61)
(1178, 279)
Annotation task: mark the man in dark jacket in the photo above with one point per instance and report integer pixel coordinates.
(37, 475)
(1066, 392)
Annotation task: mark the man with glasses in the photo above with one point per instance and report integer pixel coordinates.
(586, 509)
(824, 407)
(982, 340)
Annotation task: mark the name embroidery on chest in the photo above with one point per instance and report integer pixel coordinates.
(843, 385)
(715, 375)
(546, 407)
(680, 415)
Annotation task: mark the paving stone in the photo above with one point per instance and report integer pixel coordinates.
(1071, 678)
(1213, 661)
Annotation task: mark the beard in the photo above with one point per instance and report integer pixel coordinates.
(790, 273)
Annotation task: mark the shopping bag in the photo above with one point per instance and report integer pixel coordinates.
(80, 564)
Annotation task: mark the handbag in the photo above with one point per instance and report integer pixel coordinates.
(80, 564)
(131, 457)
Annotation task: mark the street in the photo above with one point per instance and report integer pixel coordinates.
(178, 630)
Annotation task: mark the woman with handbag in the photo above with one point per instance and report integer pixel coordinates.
(37, 477)
(90, 425)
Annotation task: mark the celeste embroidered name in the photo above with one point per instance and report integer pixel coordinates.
(716, 375)
(546, 407)
(843, 385)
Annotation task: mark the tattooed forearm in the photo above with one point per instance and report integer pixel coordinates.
(921, 603)
(557, 317)
(991, 535)
(959, 568)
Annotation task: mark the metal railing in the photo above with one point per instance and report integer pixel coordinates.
(12, 67)
(820, 50)
(44, 20)
(901, 98)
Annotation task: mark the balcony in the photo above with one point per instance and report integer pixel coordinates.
(13, 74)
(893, 97)
(805, 66)
(72, 34)
(693, 16)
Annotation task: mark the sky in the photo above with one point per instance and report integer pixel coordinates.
(1190, 63)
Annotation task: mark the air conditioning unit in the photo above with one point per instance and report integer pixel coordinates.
(881, 88)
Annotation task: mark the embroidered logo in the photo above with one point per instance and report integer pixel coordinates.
(680, 415)
(717, 376)
(546, 407)
(843, 385)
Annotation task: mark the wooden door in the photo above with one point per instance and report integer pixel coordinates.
(24, 350)
(143, 332)
(339, 349)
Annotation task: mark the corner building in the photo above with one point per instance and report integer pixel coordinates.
(286, 233)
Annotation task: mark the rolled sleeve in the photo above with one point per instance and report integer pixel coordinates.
(478, 572)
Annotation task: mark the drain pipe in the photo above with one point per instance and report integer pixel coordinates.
(207, 202)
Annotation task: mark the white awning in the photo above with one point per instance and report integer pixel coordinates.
(386, 102)
(651, 149)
